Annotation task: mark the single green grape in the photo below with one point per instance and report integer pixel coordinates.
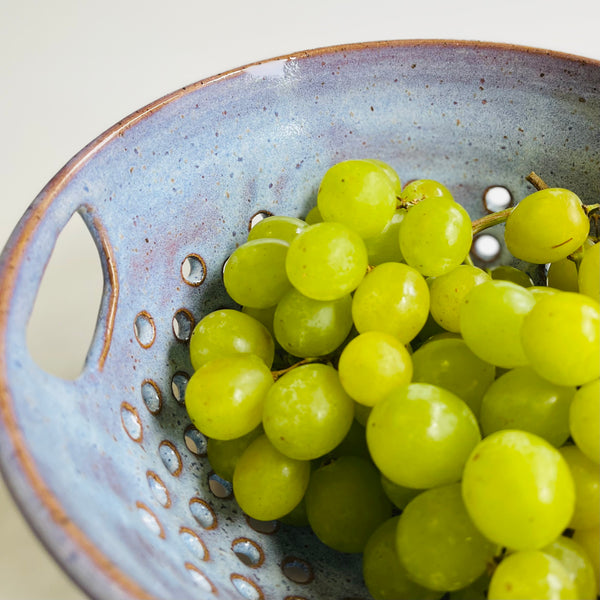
(384, 575)
(307, 413)
(490, 322)
(225, 332)
(359, 194)
(450, 364)
(392, 298)
(268, 485)
(262, 315)
(589, 540)
(587, 488)
(345, 503)
(254, 275)
(518, 490)
(224, 454)
(313, 216)
(448, 292)
(385, 247)
(224, 398)
(419, 189)
(420, 435)
(521, 399)
(562, 275)
(546, 226)
(438, 544)
(584, 419)
(561, 338)
(373, 364)
(435, 235)
(390, 172)
(305, 327)
(508, 273)
(577, 564)
(277, 227)
(531, 574)
(588, 277)
(540, 291)
(398, 494)
(326, 261)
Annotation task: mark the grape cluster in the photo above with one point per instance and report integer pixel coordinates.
(439, 418)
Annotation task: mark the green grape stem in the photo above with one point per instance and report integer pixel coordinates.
(488, 221)
(304, 361)
(536, 181)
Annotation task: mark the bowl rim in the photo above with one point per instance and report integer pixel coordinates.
(37, 494)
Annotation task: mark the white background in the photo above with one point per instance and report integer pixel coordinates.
(70, 69)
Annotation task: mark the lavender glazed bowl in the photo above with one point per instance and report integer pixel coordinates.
(106, 468)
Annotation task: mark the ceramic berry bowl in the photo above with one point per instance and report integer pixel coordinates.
(107, 468)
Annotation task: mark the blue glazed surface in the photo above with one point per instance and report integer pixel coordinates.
(111, 487)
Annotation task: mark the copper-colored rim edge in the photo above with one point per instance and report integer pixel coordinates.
(39, 207)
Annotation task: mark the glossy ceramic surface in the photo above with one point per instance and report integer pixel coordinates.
(106, 468)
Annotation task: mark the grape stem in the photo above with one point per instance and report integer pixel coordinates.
(304, 361)
(536, 181)
(488, 221)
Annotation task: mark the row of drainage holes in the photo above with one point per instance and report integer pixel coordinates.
(144, 327)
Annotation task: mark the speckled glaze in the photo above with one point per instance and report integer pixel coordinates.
(99, 465)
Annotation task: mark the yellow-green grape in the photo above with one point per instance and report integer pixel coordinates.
(508, 273)
(448, 292)
(435, 235)
(372, 365)
(450, 364)
(420, 435)
(518, 490)
(361, 413)
(345, 503)
(306, 327)
(562, 275)
(384, 575)
(313, 216)
(254, 275)
(540, 291)
(561, 338)
(268, 485)
(438, 544)
(390, 172)
(385, 247)
(589, 272)
(577, 563)
(326, 261)
(589, 540)
(359, 194)
(531, 574)
(225, 332)
(521, 399)
(224, 454)
(546, 226)
(224, 398)
(393, 298)
(398, 494)
(584, 419)
(587, 488)
(475, 591)
(491, 317)
(307, 413)
(278, 228)
(419, 189)
(262, 315)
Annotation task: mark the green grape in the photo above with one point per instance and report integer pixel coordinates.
(435, 235)
(541, 291)
(263, 315)
(419, 189)
(224, 454)
(297, 517)
(490, 322)
(361, 413)
(268, 485)
(398, 494)
(589, 272)
(392, 298)
(354, 444)
(589, 540)
(508, 273)
(254, 275)
(475, 591)
(518, 490)
(561, 338)
(577, 563)
(450, 364)
(326, 261)
(562, 275)
(373, 364)
(314, 216)
(390, 172)
(448, 292)
(531, 574)
(359, 194)
(420, 435)
(384, 247)
(277, 227)
(306, 327)
(345, 503)
(225, 332)
(307, 413)
(584, 419)
(384, 575)
(546, 226)
(521, 399)
(438, 544)
(587, 488)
